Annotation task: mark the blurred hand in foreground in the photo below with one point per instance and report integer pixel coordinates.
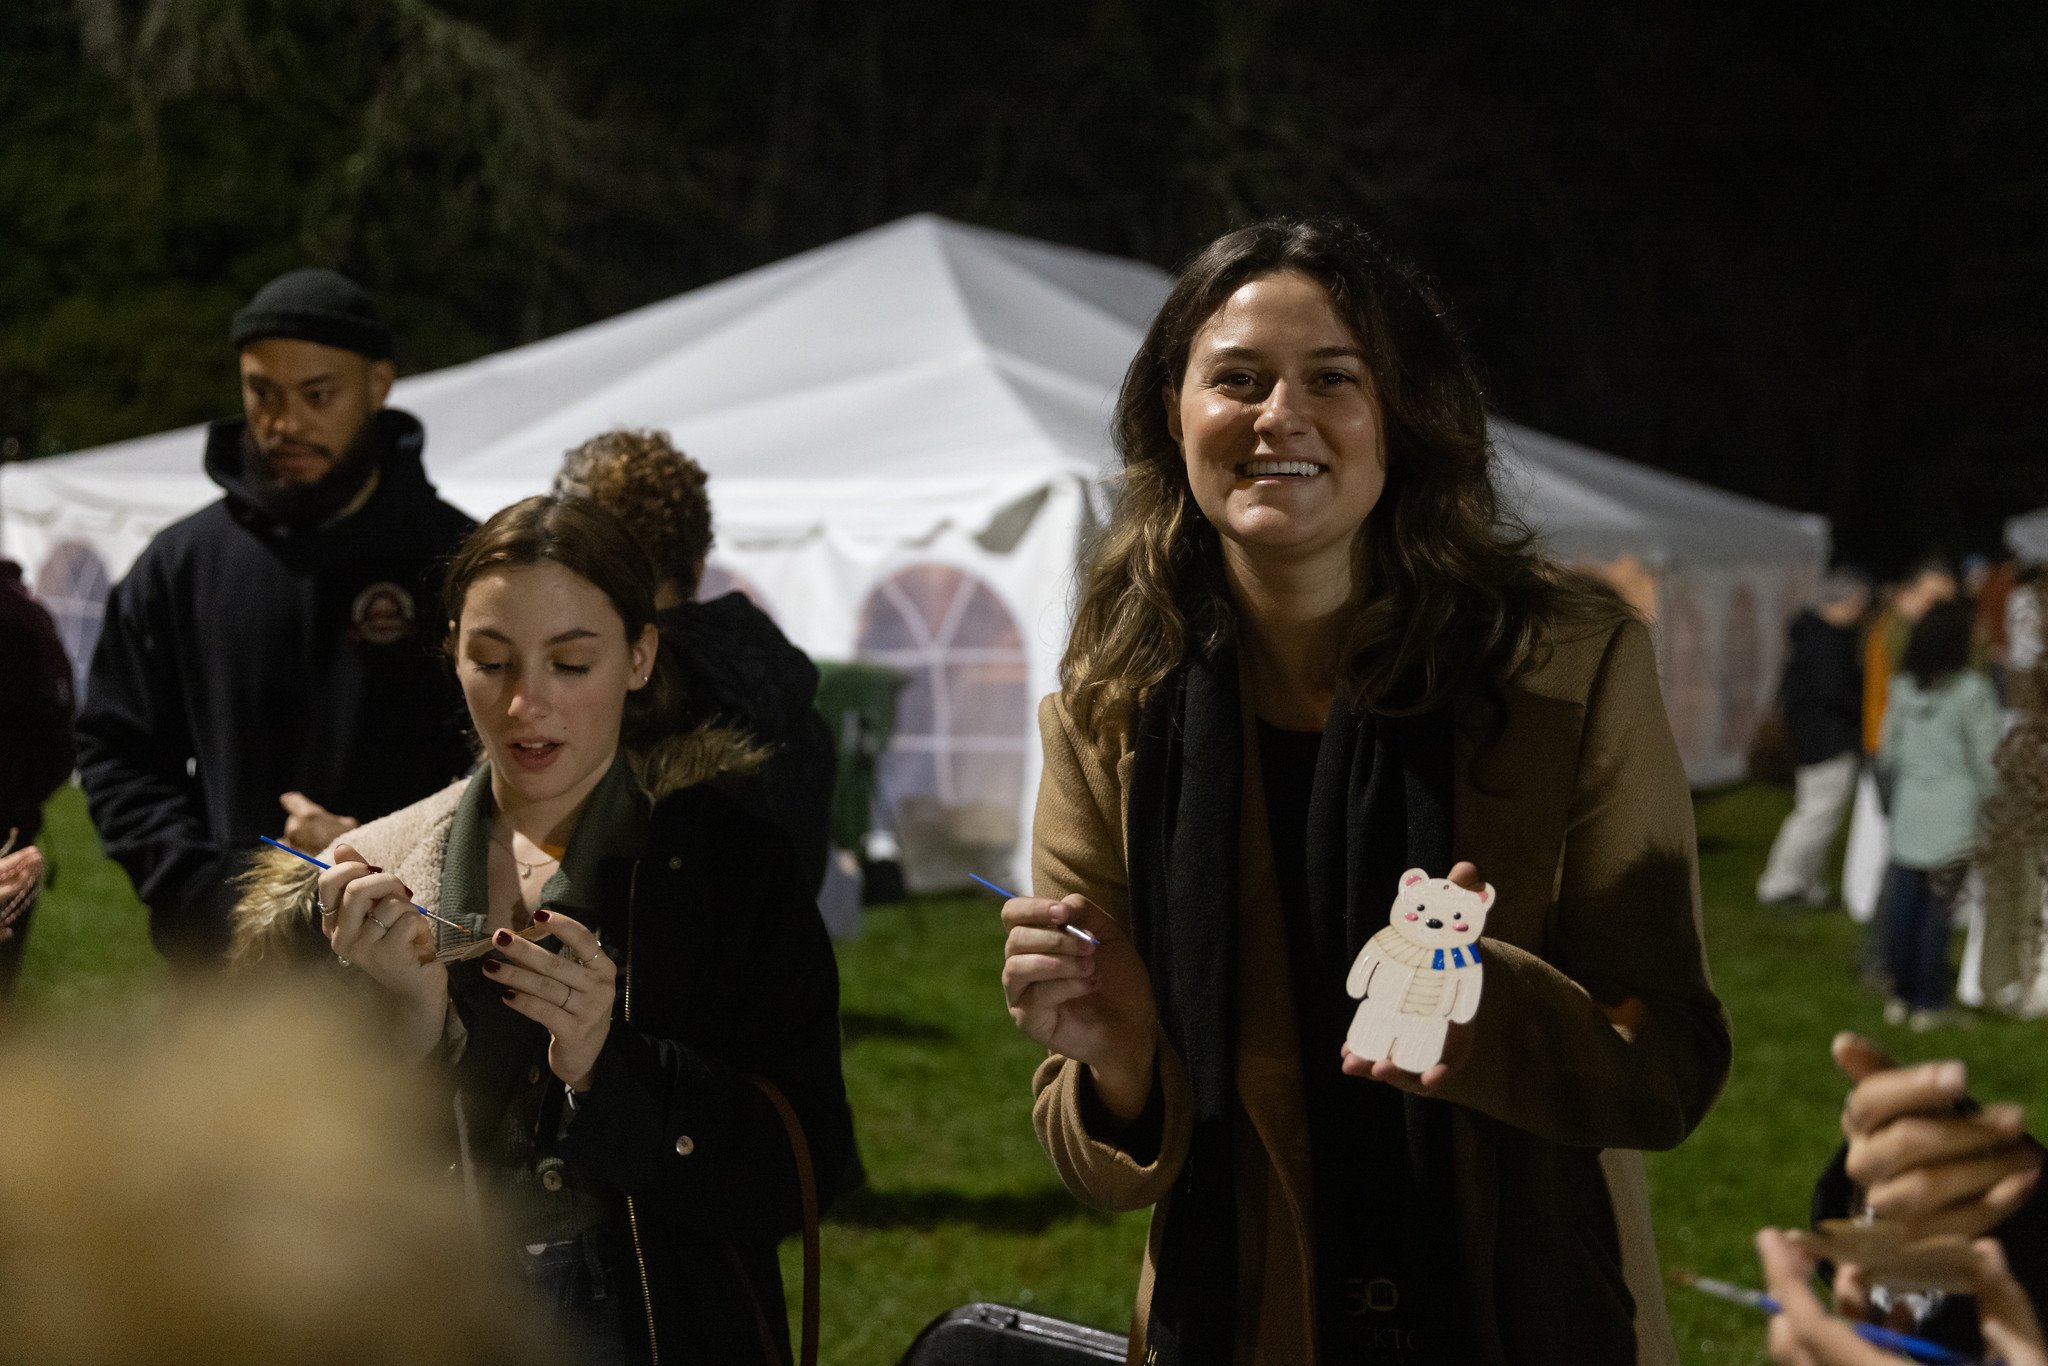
(20, 873)
(1805, 1334)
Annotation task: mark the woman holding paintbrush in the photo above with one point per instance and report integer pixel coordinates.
(1310, 654)
(626, 982)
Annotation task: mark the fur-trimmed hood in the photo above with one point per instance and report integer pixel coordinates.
(274, 921)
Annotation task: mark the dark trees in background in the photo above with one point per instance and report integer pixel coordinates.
(1797, 251)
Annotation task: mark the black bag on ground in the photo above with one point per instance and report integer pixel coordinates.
(996, 1335)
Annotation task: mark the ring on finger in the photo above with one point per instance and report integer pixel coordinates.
(567, 992)
(380, 924)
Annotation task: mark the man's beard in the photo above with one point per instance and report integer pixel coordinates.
(310, 504)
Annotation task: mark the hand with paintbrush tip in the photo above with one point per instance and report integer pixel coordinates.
(1934, 1169)
(370, 921)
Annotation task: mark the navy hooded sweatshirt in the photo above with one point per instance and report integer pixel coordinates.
(242, 658)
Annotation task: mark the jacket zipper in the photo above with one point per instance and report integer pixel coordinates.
(632, 1214)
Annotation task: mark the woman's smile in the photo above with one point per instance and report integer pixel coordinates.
(1280, 470)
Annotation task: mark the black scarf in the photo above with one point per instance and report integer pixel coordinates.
(1381, 804)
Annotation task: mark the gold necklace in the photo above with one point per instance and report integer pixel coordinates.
(527, 869)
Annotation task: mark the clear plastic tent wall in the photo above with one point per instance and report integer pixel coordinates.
(907, 433)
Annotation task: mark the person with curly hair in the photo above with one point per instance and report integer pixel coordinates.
(740, 668)
(1311, 653)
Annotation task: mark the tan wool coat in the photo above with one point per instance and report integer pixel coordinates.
(1598, 1036)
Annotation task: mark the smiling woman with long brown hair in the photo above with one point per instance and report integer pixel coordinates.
(1311, 653)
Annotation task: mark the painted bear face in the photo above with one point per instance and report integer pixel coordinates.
(1436, 912)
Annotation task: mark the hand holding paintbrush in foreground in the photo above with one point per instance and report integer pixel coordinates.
(1930, 1162)
(1803, 1333)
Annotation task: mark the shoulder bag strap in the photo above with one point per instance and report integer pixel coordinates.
(807, 1185)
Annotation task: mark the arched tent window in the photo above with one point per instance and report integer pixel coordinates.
(73, 583)
(1742, 666)
(717, 581)
(1688, 673)
(952, 778)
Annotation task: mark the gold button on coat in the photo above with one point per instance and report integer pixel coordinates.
(533, 1075)
(685, 1146)
(551, 1179)
(675, 865)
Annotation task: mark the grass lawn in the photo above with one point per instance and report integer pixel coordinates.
(962, 1206)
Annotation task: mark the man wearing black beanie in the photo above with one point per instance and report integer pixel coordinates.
(271, 659)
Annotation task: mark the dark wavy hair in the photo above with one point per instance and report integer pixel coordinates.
(1940, 644)
(1451, 593)
(587, 540)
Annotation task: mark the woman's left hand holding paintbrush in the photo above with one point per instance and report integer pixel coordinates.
(370, 922)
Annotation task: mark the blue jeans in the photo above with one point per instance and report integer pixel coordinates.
(1915, 912)
(573, 1280)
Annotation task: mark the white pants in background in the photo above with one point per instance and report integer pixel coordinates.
(1820, 795)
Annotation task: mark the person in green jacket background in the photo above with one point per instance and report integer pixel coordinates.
(1941, 729)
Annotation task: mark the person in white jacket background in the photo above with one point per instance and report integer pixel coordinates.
(1941, 730)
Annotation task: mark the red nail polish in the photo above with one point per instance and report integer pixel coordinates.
(374, 868)
(502, 937)
(508, 993)
(407, 890)
(543, 915)
(490, 966)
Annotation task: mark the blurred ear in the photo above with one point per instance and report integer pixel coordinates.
(1486, 897)
(1413, 876)
(1170, 396)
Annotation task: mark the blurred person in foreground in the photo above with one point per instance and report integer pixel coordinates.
(267, 660)
(35, 755)
(235, 1180)
(1940, 736)
(1919, 1153)
(609, 1084)
(737, 665)
(1310, 654)
(1821, 698)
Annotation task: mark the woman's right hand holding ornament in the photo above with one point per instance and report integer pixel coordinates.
(369, 920)
(1089, 1002)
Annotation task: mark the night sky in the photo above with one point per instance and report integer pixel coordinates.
(1799, 251)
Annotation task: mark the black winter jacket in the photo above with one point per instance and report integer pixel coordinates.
(727, 975)
(242, 658)
(744, 671)
(1822, 694)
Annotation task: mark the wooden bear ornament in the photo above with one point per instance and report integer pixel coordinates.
(1420, 973)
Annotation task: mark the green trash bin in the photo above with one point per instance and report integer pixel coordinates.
(859, 702)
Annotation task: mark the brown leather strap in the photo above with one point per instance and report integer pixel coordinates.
(807, 1185)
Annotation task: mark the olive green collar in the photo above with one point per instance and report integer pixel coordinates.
(613, 825)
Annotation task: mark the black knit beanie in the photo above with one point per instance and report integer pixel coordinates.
(315, 305)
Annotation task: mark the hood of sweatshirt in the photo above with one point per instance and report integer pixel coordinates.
(400, 443)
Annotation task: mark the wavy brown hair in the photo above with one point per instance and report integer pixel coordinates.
(587, 540)
(1451, 593)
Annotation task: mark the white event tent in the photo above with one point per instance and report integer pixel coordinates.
(906, 433)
